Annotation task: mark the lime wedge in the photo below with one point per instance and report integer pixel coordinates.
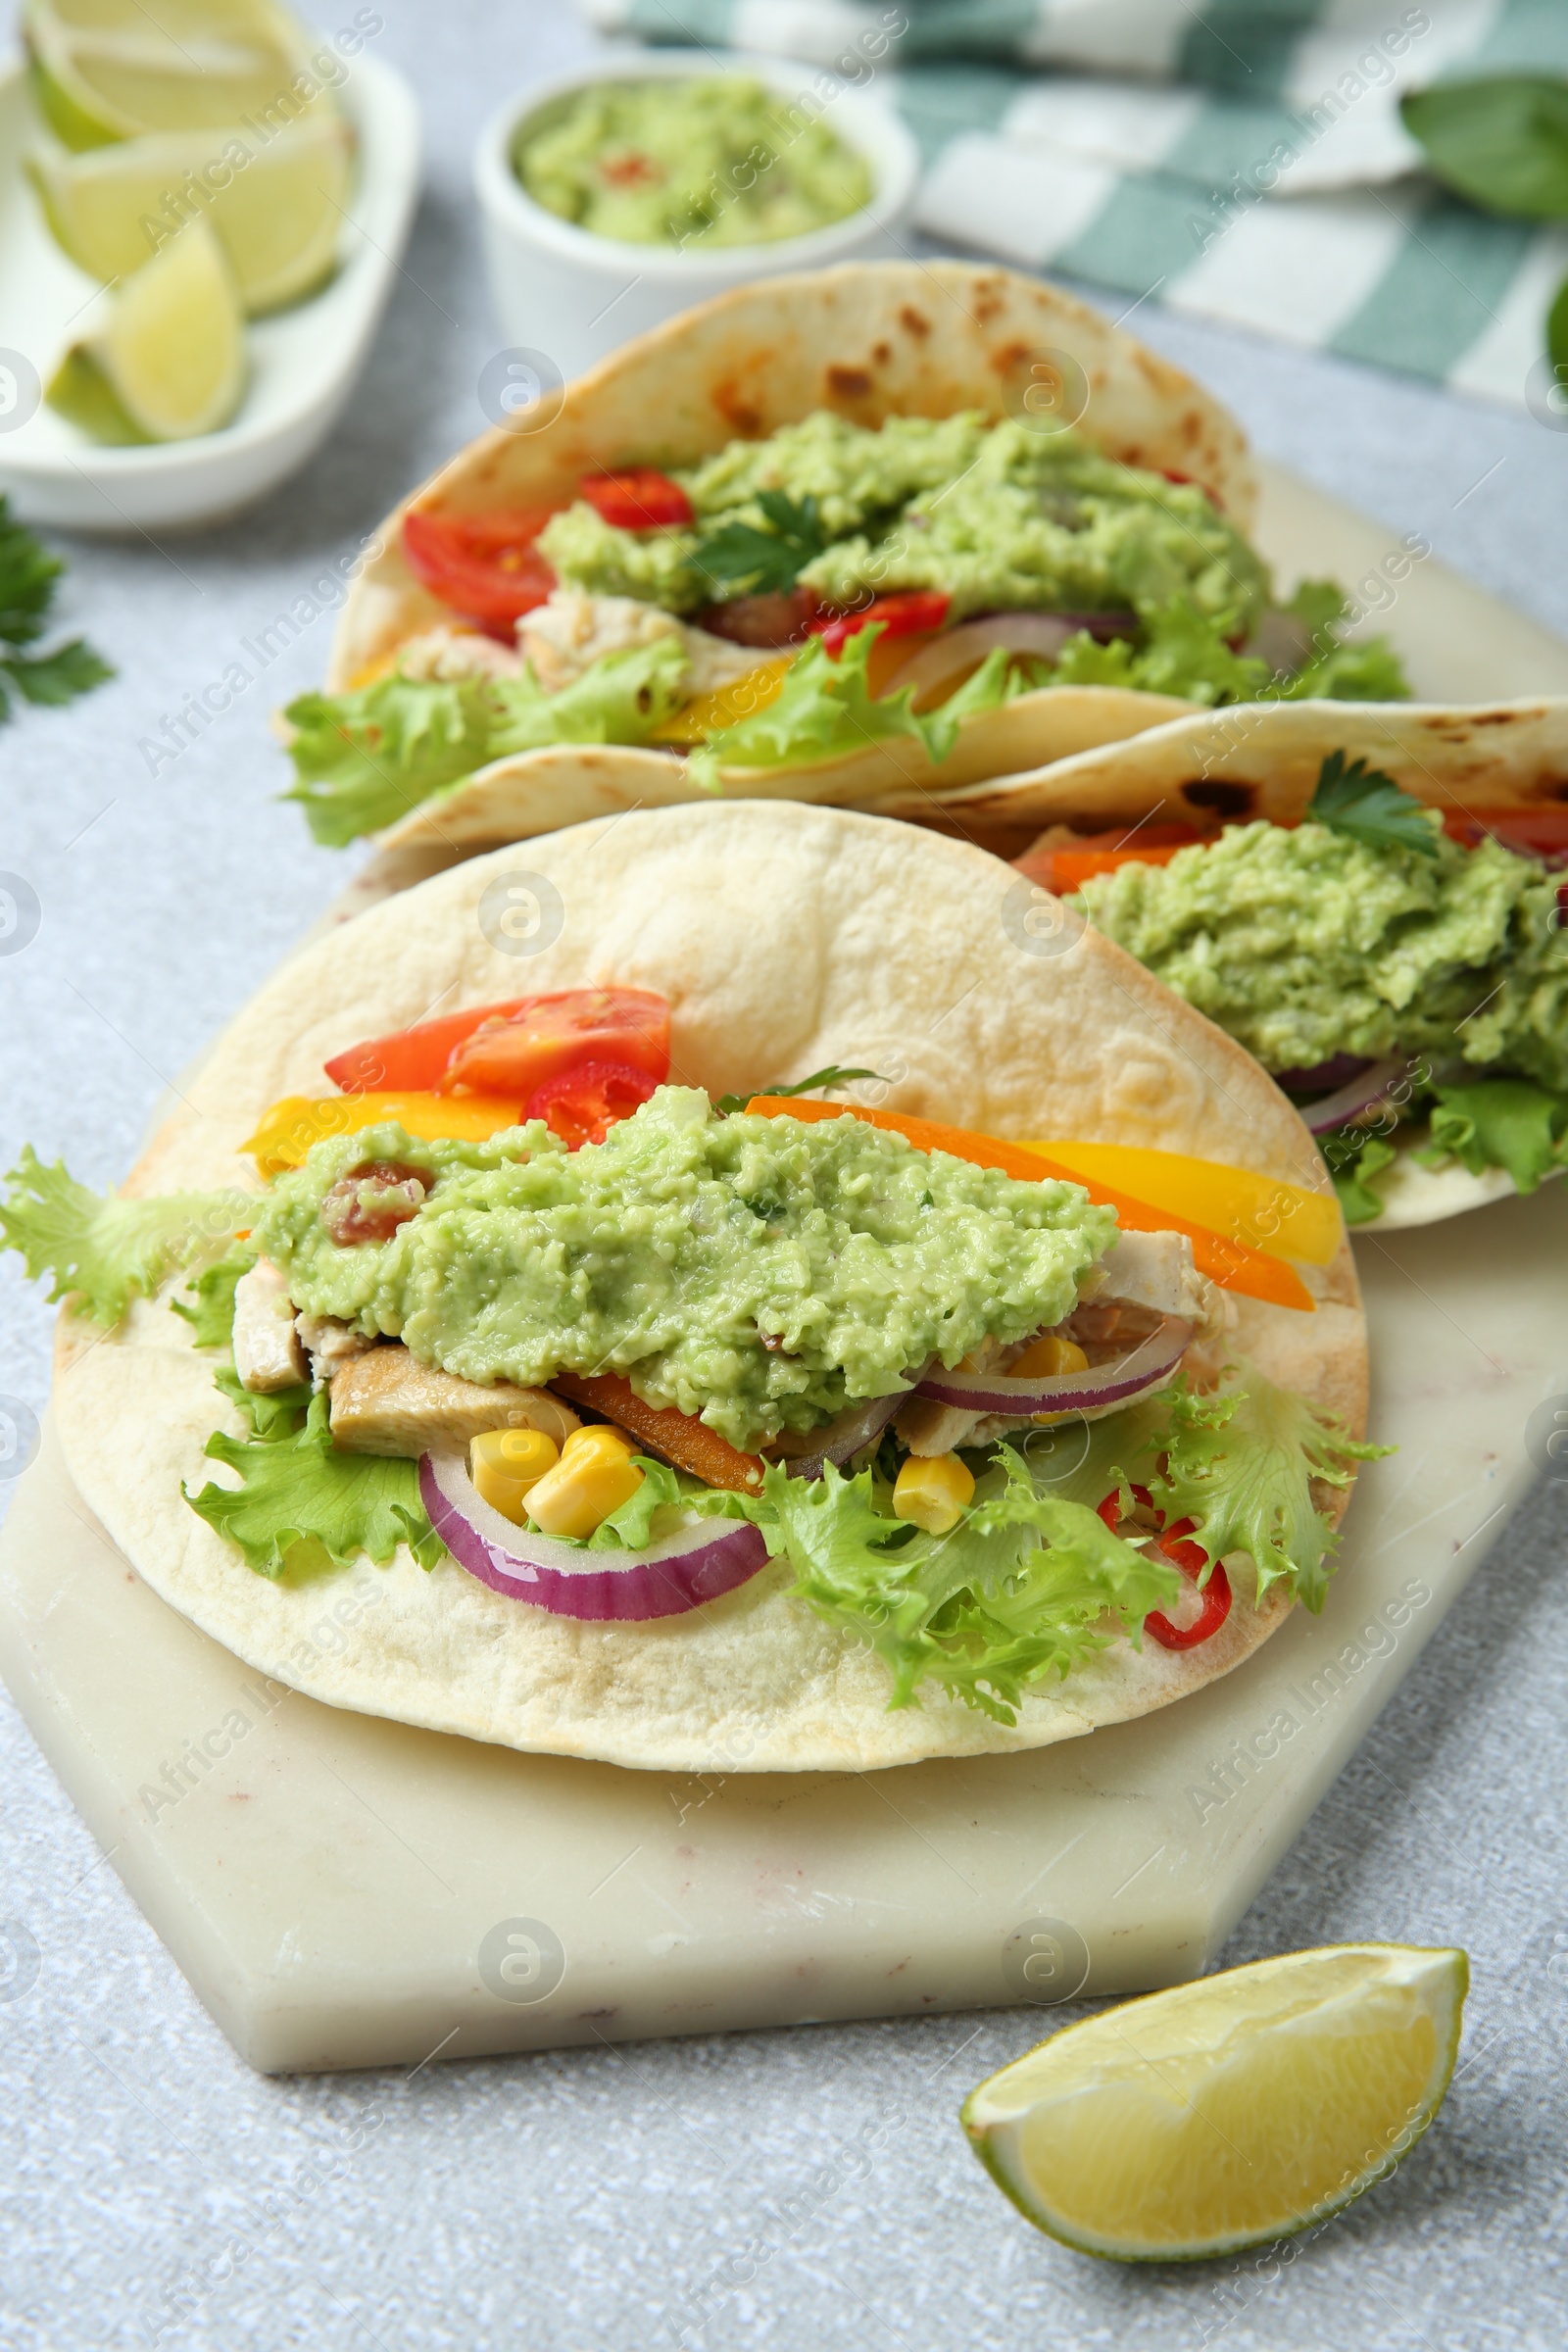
(113, 68)
(1228, 2113)
(277, 210)
(171, 360)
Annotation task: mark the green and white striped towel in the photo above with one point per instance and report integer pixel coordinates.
(1245, 159)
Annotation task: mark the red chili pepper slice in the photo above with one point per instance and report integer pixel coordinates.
(583, 1105)
(907, 615)
(485, 566)
(639, 498)
(1192, 1560)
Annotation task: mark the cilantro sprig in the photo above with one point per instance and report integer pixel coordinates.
(832, 1081)
(1368, 807)
(747, 562)
(28, 578)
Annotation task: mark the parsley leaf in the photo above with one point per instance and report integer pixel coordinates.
(302, 1489)
(27, 578)
(832, 1081)
(1368, 807)
(747, 562)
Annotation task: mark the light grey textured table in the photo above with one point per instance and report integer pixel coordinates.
(153, 2190)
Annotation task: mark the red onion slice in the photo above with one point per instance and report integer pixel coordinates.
(846, 1436)
(1040, 633)
(1348, 1103)
(678, 1573)
(1338, 1070)
(1145, 1366)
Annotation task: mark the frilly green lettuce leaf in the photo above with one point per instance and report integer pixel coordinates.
(301, 1490)
(210, 1314)
(110, 1249)
(1499, 1123)
(826, 710)
(1017, 1592)
(1240, 1466)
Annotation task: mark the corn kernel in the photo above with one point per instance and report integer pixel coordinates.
(598, 1442)
(506, 1464)
(932, 1490)
(594, 1477)
(1046, 1359)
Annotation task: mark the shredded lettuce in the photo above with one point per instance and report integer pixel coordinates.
(1240, 1466)
(1355, 1156)
(108, 1248)
(1501, 1123)
(297, 1489)
(364, 759)
(826, 710)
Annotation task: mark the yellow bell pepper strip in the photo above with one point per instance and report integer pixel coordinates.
(292, 1126)
(709, 713)
(1230, 1265)
(1263, 1212)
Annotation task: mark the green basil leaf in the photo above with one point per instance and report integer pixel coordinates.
(1501, 140)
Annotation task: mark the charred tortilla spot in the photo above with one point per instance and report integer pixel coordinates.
(1225, 800)
(737, 410)
(914, 321)
(882, 353)
(849, 383)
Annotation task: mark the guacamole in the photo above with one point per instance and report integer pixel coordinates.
(1305, 944)
(760, 1272)
(717, 160)
(995, 515)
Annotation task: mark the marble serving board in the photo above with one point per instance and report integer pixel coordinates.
(343, 1891)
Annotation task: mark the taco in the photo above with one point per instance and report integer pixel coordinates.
(885, 526)
(636, 1414)
(1370, 901)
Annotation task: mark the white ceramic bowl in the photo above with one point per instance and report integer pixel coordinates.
(563, 292)
(305, 361)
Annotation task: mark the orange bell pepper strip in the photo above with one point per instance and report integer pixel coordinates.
(679, 1436)
(1230, 1265)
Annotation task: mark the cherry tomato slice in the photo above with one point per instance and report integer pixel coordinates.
(583, 1105)
(1191, 1559)
(544, 1034)
(906, 614)
(411, 1060)
(638, 499)
(485, 566)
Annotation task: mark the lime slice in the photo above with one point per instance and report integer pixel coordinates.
(277, 210)
(171, 360)
(113, 68)
(1228, 2113)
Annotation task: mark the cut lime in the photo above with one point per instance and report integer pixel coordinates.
(113, 68)
(1228, 2113)
(277, 208)
(171, 360)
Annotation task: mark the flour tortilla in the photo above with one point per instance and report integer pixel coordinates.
(868, 341)
(786, 938)
(1262, 760)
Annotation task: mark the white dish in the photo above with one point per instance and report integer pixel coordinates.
(305, 361)
(568, 296)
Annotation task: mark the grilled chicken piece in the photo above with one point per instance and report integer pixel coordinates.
(331, 1344)
(388, 1402)
(268, 1355)
(1154, 1270)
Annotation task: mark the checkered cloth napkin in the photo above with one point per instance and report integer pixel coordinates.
(1244, 158)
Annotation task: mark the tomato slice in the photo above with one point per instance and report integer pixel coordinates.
(907, 615)
(1536, 832)
(485, 566)
(583, 1105)
(413, 1059)
(639, 498)
(514, 1053)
